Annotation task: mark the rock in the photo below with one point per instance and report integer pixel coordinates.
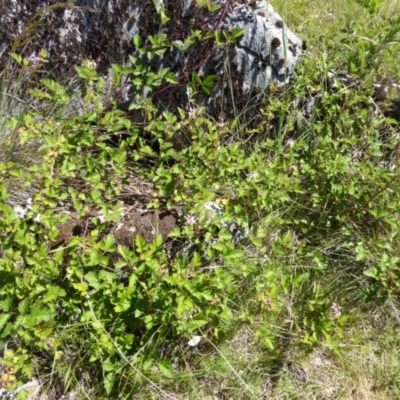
(148, 225)
(102, 31)
(386, 95)
(267, 52)
(132, 221)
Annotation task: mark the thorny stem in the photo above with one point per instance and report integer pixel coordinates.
(223, 14)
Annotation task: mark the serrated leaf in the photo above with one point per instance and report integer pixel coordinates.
(40, 313)
(140, 243)
(16, 57)
(107, 276)
(120, 264)
(233, 254)
(166, 369)
(133, 279)
(6, 331)
(3, 319)
(158, 242)
(176, 232)
(196, 79)
(108, 244)
(209, 81)
(92, 279)
(137, 41)
(171, 78)
(237, 32)
(224, 234)
(23, 306)
(53, 293)
(22, 395)
(6, 304)
(81, 287)
(109, 382)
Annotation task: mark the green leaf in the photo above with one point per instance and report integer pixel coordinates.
(3, 319)
(120, 264)
(196, 79)
(219, 38)
(224, 235)
(92, 279)
(141, 244)
(53, 293)
(171, 78)
(23, 306)
(6, 331)
(164, 18)
(6, 304)
(16, 57)
(137, 41)
(22, 395)
(166, 369)
(236, 253)
(209, 81)
(58, 91)
(40, 313)
(108, 244)
(158, 242)
(81, 287)
(109, 382)
(237, 33)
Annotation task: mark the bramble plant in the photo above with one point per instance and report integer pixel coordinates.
(285, 249)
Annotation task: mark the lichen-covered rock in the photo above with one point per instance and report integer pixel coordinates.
(102, 31)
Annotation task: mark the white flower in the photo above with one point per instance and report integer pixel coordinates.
(36, 217)
(20, 212)
(194, 341)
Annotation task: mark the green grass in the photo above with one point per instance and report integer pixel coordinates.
(319, 197)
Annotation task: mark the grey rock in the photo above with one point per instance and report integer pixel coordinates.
(102, 31)
(385, 94)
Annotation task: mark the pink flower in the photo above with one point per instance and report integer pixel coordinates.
(192, 112)
(274, 237)
(337, 310)
(268, 301)
(330, 17)
(190, 219)
(290, 143)
(34, 59)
